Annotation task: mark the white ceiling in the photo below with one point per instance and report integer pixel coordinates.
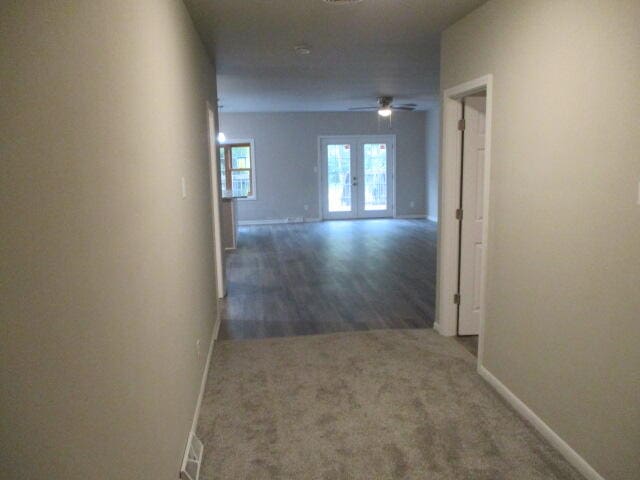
(359, 51)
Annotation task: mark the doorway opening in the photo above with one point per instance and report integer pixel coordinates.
(357, 175)
(293, 273)
(464, 211)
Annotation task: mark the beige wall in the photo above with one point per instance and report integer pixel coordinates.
(433, 161)
(563, 298)
(107, 272)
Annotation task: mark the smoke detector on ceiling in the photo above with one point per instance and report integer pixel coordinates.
(302, 49)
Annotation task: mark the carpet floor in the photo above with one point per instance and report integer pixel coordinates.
(391, 404)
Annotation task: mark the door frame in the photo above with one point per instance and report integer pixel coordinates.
(216, 202)
(449, 195)
(387, 137)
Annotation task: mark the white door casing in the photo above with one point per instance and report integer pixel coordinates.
(472, 248)
(221, 287)
(447, 282)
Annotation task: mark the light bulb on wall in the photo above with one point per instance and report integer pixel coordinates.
(384, 112)
(221, 137)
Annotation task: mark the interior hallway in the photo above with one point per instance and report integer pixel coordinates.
(337, 276)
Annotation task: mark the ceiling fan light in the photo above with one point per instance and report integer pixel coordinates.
(384, 112)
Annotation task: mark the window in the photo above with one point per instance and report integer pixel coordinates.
(237, 174)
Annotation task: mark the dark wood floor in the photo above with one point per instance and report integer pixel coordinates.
(300, 279)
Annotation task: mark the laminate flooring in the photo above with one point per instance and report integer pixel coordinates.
(334, 276)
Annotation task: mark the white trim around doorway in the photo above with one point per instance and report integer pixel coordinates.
(448, 227)
(216, 202)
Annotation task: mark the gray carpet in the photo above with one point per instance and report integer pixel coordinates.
(392, 404)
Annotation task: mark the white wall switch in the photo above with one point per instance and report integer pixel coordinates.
(184, 188)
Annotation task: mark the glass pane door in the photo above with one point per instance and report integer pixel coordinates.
(357, 176)
(375, 170)
(375, 176)
(339, 183)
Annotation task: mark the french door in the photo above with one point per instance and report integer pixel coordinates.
(357, 176)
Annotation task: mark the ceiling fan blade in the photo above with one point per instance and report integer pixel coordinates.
(408, 109)
(363, 108)
(407, 104)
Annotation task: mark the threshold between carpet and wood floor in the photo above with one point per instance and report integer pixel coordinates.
(389, 404)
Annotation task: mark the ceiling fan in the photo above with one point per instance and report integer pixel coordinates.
(385, 107)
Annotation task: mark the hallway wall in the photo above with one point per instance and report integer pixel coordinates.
(287, 153)
(107, 272)
(433, 162)
(563, 289)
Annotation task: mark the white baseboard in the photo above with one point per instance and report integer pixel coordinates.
(205, 374)
(275, 221)
(262, 222)
(552, 437)
(411, 216)
(432, 218)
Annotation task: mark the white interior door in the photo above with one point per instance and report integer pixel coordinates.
(357, 176)
(472, 248)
